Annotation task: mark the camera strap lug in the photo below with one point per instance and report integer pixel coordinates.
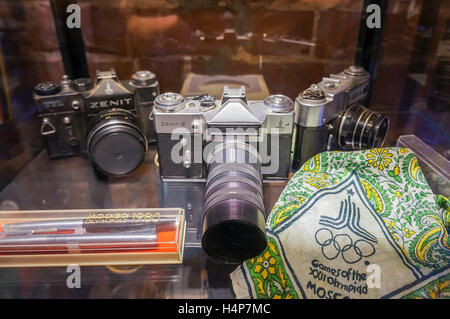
(47, 127)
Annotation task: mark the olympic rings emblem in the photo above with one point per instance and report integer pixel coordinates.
(342, 244)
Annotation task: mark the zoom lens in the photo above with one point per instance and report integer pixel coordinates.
(115, 143)
(234, 215)
(361, 128)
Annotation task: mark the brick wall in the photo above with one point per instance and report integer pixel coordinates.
(292, 43)
(30, 49)
(287, 41)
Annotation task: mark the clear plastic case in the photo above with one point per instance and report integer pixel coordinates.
(435, 167)
(91, 237)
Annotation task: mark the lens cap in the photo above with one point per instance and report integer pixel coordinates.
(115, 144)
(117, 151)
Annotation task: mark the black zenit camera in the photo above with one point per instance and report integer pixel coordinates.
(329, 116)
(109, 120)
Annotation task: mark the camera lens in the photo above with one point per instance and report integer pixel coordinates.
(234, 215)
(361, 128)
(115, 143)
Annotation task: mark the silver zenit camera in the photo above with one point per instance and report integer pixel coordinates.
(329, 116)
(233, 145)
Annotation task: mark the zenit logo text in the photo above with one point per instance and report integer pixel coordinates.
(110, 103)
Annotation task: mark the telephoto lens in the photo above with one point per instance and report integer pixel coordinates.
(115, 143)
(234, 215)
(361, 128)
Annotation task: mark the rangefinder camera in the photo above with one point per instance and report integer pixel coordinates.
(232, 144)
(329, 116)
(108, 120)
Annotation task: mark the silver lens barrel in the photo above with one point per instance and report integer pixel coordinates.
(361, 128)
(234, 213)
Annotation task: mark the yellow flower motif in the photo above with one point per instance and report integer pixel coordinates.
(265, 264)
(403, 150)
(408, 232)
(396, 170)
(288, 296)
(398, 194)
(379, 158)
(432, 293)
(281, 215)
(317, 181)
(272, 247)
(373, 194)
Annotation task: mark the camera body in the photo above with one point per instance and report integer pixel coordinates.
(231, 144)
(82, 117)
(196, 125)
(329, 116)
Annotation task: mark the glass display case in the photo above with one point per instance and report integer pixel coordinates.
(193, 48)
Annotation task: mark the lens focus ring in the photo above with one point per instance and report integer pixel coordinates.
(234, 213)
(361, 128)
